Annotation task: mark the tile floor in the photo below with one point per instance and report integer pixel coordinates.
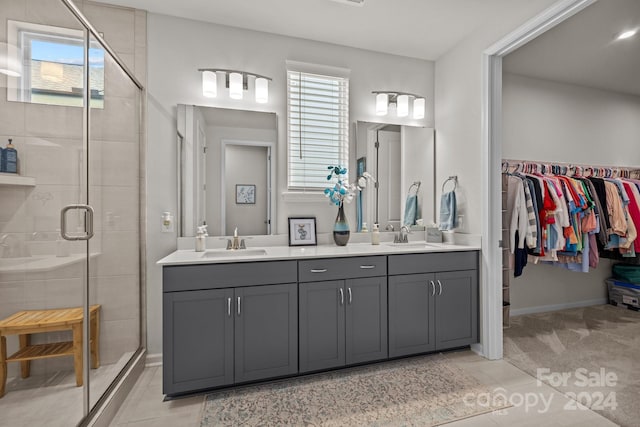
(145, 407)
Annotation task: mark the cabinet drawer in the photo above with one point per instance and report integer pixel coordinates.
(341, 268)
(212, 276)
(432, 262)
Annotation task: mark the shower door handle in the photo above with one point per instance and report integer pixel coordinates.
(88, 222)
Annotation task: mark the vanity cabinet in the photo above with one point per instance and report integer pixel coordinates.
(342, 322)
(433, 302)
(232, 323)
(226, 335)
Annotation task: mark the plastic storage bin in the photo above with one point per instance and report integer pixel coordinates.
(624, 293)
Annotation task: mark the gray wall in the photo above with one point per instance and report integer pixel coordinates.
(551, 121)
(246, 165)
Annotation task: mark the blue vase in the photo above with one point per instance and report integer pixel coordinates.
(341, 230)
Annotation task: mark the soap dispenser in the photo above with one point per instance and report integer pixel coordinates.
(10, 158)
(375, 235)
(201, 238)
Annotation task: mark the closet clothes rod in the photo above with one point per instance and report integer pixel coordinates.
(569, 169)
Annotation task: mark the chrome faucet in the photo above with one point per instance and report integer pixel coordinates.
(235, 243)
(403, 235)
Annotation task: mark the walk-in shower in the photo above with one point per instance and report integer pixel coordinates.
(70, 287)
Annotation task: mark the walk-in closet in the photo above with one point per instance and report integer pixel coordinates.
(571, 206)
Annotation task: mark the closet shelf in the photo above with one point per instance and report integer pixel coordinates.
(17, 180)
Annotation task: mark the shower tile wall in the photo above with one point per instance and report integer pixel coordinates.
(48, 136)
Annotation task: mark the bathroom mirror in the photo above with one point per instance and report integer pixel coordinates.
(397, 157)
(226, 170)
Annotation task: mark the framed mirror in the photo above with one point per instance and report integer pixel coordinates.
(226, 171)
(401, 159)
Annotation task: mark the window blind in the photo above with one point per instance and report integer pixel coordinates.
(318, 128)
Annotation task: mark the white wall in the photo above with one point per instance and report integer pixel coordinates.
(551, 121)
(248, 218)
(458, 107)
(178, 47)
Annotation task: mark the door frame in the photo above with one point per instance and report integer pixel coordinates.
(491, 145)
(271, 178)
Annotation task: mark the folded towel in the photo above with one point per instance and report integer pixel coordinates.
(448, 211)
(411, 210)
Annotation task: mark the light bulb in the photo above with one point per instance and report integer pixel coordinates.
(382, 104)
(235, 86)
(209, 84)
(403, 105)
(418, 108)
(262, 90)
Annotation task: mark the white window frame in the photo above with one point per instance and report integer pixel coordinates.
(322, 71)
(20, 34)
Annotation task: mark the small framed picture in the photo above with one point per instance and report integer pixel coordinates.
(245, 194)
(302, 231)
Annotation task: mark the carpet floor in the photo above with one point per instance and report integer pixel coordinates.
(419, 391)
(597, 349)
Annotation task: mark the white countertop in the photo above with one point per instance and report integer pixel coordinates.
(270, 253)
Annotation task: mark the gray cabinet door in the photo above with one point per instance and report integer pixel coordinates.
(266, 331)
(456, 309)
(321, 325)
(366, 319)
(411, 314)
(197, 340)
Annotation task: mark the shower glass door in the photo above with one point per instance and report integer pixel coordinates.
(114, 250)
(70, 317)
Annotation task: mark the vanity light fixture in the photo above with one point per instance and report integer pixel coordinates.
(627, 34)
(236, 81)
(401, 100)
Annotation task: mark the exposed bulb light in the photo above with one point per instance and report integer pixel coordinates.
(209, 84)
(403, 106)
(382, 104)
(262, 90)
(235, 85)
(418, 108)
(627, 34)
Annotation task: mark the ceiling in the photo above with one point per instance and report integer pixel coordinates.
(422, 29)
(582, 50)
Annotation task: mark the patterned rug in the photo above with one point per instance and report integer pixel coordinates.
(420, 391)
(601, 343)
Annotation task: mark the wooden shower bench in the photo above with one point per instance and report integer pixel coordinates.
(25, 323)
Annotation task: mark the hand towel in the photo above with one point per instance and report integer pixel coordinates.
(411, 210)
(448, 211)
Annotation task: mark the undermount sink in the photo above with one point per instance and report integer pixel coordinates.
(414, 245)
(234, 254)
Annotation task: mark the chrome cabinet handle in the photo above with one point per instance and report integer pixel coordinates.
(350, 296)
(341, 296)
(367, 267)
(440, 286)
(433, 288)
(229, 307)
(88, 225)
(320, 270)
(238, 306)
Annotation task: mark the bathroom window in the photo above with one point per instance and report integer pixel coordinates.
(317, 127)
(53, 67)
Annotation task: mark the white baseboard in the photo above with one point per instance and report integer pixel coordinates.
(556, 307)
(153, 360)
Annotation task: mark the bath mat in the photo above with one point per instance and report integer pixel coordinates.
(420, 391)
